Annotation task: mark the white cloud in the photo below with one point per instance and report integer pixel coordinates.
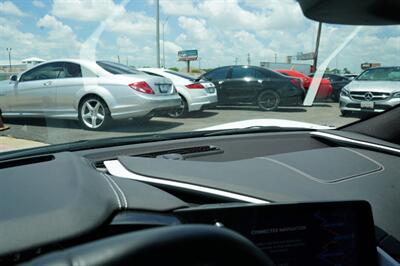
(171, 47)
(179, 8)
(131, 23)
(38, 3)
(60, 37)
(115, 16)
(85, 10)
(196, 28)
(10, 8)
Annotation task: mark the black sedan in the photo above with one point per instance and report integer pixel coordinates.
(250, 84)
(337, 82)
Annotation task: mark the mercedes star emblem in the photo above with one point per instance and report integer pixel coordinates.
(368, 96)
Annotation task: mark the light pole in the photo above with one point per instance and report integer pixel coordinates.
(9, 56)
(163, 40)
(317, 46)
(158, 33)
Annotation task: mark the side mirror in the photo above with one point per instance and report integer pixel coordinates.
(14, 78)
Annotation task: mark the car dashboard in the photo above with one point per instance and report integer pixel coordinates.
(295, 195)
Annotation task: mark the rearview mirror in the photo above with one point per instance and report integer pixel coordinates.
(354, 12)
(14, 78)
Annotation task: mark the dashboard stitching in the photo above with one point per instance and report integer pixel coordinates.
(380, 169)
(381, 166)
(113, 189)
(125, 201)
(291, 168)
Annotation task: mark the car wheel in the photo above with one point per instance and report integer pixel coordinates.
(94, 113)
(181, 111)
(268, 100)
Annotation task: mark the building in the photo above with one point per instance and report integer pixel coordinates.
(30, 62)
(6, 72)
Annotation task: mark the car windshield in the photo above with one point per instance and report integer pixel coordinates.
(116, 68)
(381, 74)
(69, 70)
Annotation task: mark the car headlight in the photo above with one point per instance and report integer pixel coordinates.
(396, 94)
(345, 92)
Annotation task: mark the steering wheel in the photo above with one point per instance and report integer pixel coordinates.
(171, 245)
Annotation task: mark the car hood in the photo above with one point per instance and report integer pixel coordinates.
(381, 86)
(265, 123)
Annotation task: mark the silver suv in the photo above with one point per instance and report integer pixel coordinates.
(374, 90)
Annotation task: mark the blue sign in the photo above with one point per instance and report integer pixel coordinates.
(187, 55)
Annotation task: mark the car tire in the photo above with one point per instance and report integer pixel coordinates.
(268, 100)
(93, 113)
(181, 111)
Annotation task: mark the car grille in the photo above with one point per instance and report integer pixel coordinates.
(369, 95)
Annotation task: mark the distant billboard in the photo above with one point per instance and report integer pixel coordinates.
(365, 66)
(305, 56)
(187, 55)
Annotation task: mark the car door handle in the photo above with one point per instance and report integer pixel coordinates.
(48, 83)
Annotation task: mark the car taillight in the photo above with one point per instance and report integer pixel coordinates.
(296, 83)
(141, 86)
(194, 86)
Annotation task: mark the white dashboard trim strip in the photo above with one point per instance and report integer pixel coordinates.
(359, 142)
(115, 168)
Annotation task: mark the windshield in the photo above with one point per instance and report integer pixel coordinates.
(115, 68)
(381, 74)
(55, 55)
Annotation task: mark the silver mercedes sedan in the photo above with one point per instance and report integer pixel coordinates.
(95, 93)
(374, 90)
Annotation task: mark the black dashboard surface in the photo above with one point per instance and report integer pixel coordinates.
(73, 191)
(319, 174)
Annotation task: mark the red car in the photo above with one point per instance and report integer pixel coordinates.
(325, 88)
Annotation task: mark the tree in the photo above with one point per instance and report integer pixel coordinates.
(174, 68)
(335, 71)
(346, 71)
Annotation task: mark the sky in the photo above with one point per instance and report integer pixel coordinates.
(221, 30)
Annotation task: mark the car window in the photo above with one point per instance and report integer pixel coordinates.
(46, 71)
(217, 74)
(258, 74)
(116, 68)
(381, 74)
(73, 70)
(242, 72)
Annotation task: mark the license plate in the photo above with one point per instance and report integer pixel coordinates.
(164, 88)
(367, 105)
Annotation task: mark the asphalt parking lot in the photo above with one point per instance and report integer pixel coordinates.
(54, 131)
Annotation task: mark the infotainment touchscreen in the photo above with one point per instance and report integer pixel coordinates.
(329, 233)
